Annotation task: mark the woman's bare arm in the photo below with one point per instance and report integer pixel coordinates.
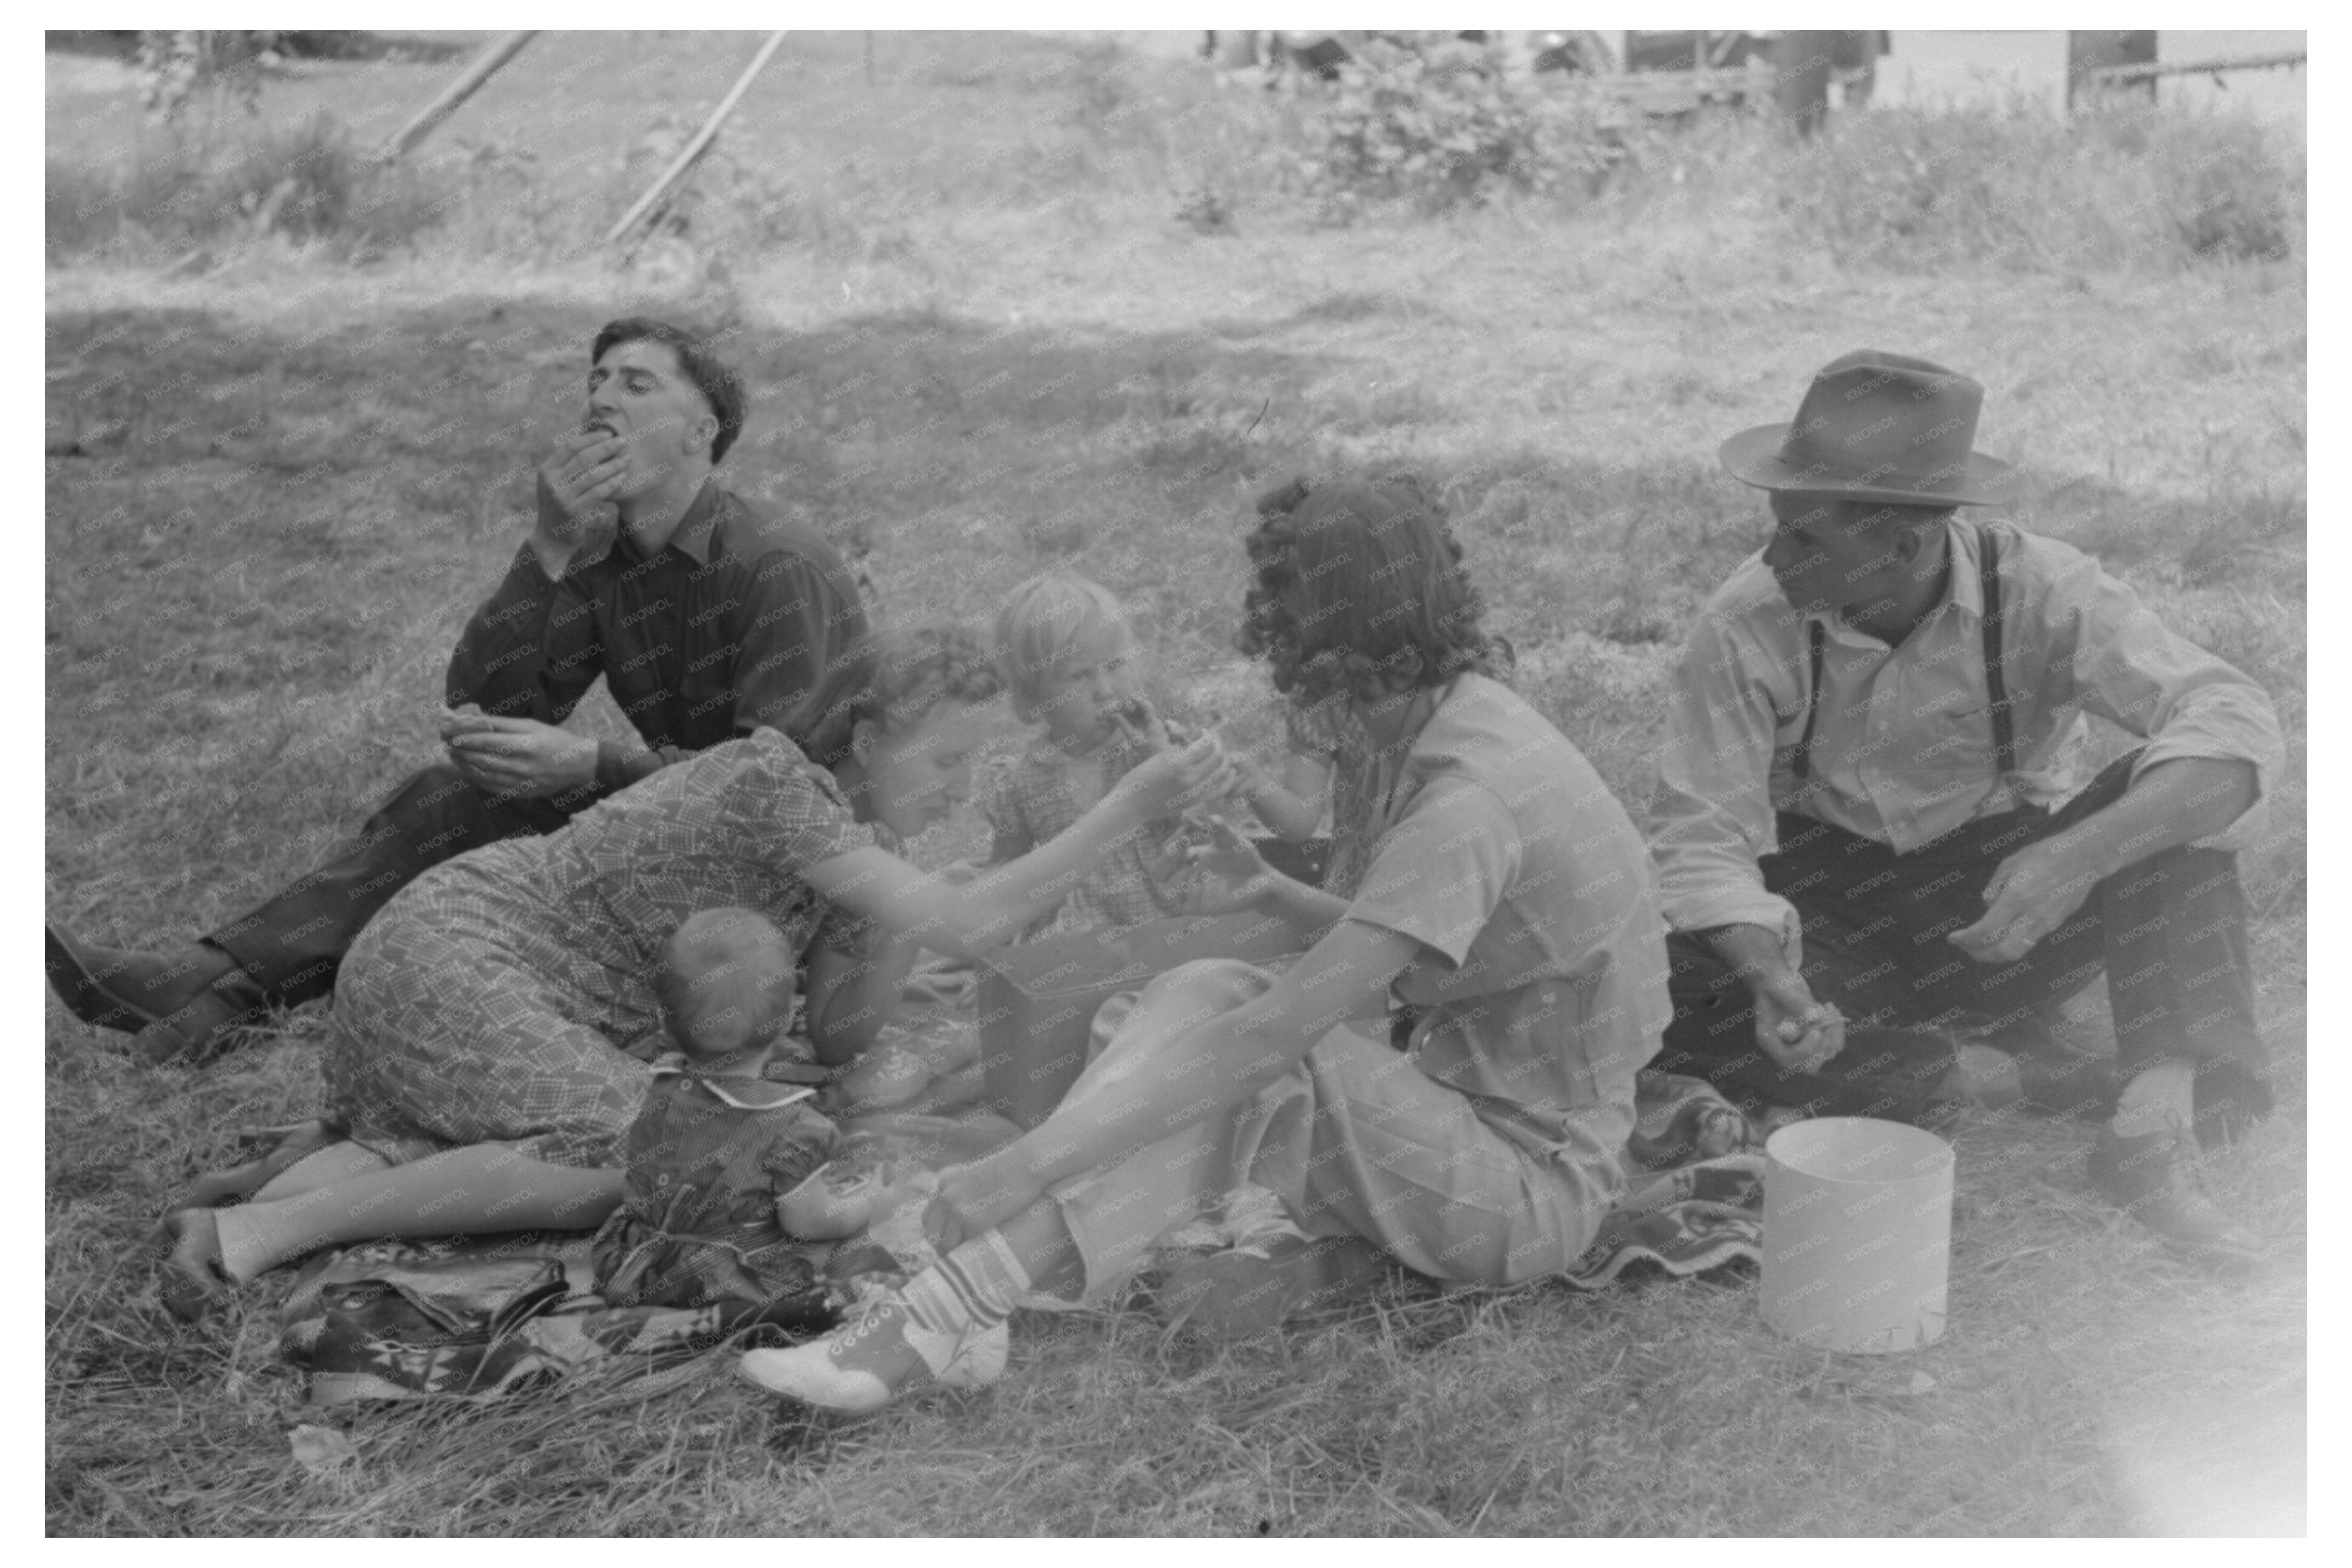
(965, 918)
(850, 997)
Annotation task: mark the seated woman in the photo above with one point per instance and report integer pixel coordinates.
(480, 1064)
(1507, 904)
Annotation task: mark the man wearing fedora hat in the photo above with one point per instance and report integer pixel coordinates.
(1867, 819)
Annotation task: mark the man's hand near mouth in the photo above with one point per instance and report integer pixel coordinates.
(586, 471)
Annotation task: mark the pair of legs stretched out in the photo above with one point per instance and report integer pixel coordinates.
(1357, 1140)
(189, 1003)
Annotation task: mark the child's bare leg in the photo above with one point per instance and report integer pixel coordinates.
(292, 1145)
(483, 1188)
(321, 1167)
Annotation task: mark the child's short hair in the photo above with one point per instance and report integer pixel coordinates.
(1041, 621)
(725, 982)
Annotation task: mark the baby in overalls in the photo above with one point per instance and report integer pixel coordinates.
(726, 1170)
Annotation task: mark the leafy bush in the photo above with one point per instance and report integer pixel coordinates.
(2019, 185)
(308, 182)
(1440, 132)
(176, 68)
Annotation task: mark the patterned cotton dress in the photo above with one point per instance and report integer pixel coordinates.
(708, 1158)
(1041, 794)
(497, 999)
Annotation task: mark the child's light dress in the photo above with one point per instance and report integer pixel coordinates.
(1040, 794)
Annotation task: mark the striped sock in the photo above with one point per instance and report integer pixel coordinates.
(975, 1286)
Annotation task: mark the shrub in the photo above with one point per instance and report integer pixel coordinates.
(1447, 129)
(1440, 132)
(308, 182)
(2017, 186)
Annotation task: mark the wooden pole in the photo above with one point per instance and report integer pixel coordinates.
(700, 142)
(445, 104)
(2152, 69)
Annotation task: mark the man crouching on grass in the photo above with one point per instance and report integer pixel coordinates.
(1887, 694)
(706, 616)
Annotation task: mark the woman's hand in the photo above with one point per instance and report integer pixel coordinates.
(1228, 876)
(972, 1200)
(1142, 726)
(1164, 783)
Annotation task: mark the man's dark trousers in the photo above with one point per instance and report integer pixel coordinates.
(292, 944)
(2170, 931)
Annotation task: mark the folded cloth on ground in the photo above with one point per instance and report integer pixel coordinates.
(485, 1316)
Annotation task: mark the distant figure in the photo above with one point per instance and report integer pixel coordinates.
(1858, 54)
(2088, 51)
(1801, 66)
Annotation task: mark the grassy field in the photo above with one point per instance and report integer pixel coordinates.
(980, 342)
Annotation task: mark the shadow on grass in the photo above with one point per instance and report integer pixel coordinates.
(254, 575)
(266, 526)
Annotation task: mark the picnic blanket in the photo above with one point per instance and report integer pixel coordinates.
(1696, 1197)
(483, 1317)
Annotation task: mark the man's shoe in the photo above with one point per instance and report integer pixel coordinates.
(863, 1367)
(209, 1025)
(1243, 1292)
(121, 989)
(2153, 1178)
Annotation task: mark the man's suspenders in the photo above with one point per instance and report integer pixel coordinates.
(1803, 761)
(2004, 735)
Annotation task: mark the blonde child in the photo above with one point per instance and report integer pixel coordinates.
(1069, 659)
(726, 1170)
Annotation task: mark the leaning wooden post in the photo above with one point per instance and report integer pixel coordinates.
(697, 145)
(445, 104)
(2088, 52)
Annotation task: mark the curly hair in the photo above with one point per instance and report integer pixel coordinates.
(894, 678)
(1362, 593)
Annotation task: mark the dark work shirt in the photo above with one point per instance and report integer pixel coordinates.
(728, 627)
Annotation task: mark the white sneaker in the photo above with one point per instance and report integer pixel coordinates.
(860, 1368)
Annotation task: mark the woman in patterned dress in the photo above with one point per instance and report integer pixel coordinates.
(480, 1065)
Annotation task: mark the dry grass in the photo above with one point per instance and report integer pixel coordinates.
(297, 479)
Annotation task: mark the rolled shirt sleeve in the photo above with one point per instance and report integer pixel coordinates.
(1710, 816)
(2128, 667)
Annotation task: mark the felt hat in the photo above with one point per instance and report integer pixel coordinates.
(1876, 426)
